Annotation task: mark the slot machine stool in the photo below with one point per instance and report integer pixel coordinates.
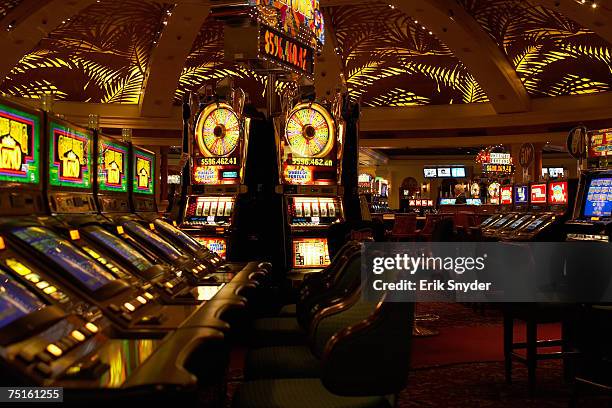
(534, 314)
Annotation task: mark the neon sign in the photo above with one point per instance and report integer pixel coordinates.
(286, 51)
(69, 157)
(295, 14)
(19, 146)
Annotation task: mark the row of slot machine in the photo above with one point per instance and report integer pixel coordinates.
(309, 143)
(96, 292)
(560, 210)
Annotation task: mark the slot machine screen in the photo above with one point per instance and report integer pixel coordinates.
(430, 173)
(506, 195)
(534, 224)
(310, 252)
(117, 246)
(598, 201)
(519, 221)
(557, 192)
(473, 201)
(66, 255)
(69, 156)
(448, 201)
(538, 193)
(216, 245)
(15, 300)
(143, 177)
(520, 195)
(19, 146)
(501, 221)
(148, 236)
(112, 166)
(185, 239)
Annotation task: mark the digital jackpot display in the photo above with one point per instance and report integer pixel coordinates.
(112, 166)
(284, 50)
(219, 140)
(538, 193)
(69, 156)
(19, 146)
(557, 192)
(505, 195)
(308, 149)
(144, 172)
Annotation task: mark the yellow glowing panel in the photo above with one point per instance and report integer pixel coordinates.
(310, 253)
(74, 235)
(18, 267)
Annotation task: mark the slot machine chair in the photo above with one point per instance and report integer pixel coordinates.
(342, 278)
(404, 227)
(353, 369)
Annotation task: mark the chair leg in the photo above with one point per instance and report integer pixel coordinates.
(508, 339)
(532, 338)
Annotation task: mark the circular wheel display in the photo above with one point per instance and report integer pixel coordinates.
(310, 130)
(217, 130)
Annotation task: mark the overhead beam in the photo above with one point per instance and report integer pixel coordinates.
(463, 141)
(598, 20)
(168, 58)
(29, 29)
(474, 47)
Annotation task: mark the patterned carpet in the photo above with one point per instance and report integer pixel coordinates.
(473, 384)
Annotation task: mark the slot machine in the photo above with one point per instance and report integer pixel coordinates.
(217, 178)
(549, 206)
(51, 332)
(310, 144)
(592, 215)
(495, 225)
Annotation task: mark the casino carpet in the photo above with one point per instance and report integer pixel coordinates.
(463, 365)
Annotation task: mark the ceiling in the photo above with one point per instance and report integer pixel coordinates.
(389, 58)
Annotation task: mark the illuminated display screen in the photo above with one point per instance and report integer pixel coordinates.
(144, 172)
(473, 201)
(599, 198)
(488, 221)
(285, 50)
(148, 236)
(185, 239)
(520, 195)
(15, 300)
(69, 157)
(519, 221)
(112, 166)
(310, 252)
(314, 210)
(118, 247)
(430, 173)
(538, 193)
(505, 193)
(19, 146)
(216, 245)
(600, 143)
(493, 190)
(534, 224)
(308, 146)
(444, 172)
(458, 172)
(501, 221)
(557, 192)
(448, 201)
(210, 209)
(66, 255)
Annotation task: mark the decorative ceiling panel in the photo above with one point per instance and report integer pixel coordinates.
(99, 55)
(552, 54)
(205, 66)
(391, 60)
(6, 6)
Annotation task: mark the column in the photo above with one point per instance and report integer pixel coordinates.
(537, 162)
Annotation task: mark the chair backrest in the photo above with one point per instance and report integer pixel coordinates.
(371, 357)
(430, 222)
(404, 223)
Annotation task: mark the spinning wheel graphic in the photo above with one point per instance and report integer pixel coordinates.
(217, 130)
(310, 130)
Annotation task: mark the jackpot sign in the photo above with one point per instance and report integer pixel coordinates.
(143, 173)
(286, 51)
(69, 157)
(112, 167)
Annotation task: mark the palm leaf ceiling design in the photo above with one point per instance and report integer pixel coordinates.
(551, 54)
(103, 53)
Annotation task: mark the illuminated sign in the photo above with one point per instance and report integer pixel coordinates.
(295, 14)
(557, 192)
(112, 166)
(219, 161)
(600, 143)
(497, 168)
(493, 190)
(286, 51)
(143, 179)
(506, 195)
(297, 174)
(205, 174)
(538, 193)
(216, 245)
(500, 158)
(310, 252)
(312, 161)
(229, 174)
(521, 195)
(69, 157)
(19, 146)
